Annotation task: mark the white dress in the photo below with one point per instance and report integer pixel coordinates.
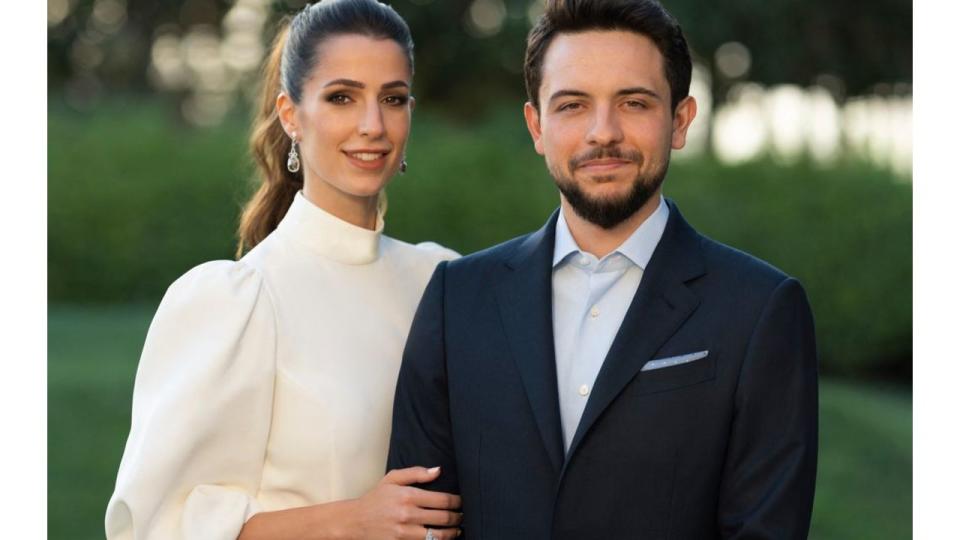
(267, 383)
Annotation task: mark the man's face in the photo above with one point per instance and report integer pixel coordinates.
(605, 124)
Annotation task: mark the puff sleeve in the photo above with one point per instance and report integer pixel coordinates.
(202, 404)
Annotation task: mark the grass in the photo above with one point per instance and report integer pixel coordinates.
(92, 360)
(863, 490)
(864, 483)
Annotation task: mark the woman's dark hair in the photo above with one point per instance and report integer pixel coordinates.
(292, 58)
(646, 17)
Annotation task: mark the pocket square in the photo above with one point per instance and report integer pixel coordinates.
(674, 360)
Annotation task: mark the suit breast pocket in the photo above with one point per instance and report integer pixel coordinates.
(673, 371)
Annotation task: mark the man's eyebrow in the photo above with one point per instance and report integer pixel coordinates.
(567, 93)
(623, 92)
(638, 90)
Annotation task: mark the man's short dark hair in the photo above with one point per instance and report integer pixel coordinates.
(646, 17)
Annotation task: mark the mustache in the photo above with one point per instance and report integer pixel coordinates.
(605, 152)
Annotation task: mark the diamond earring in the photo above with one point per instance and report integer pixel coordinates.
(293, 159)
(403, 166)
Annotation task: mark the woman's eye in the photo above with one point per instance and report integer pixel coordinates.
(396, 100)
(338, 99)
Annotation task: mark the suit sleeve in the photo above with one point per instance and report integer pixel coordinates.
(422, 432)
(770, 471)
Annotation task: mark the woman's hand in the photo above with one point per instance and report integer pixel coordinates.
(395, 510)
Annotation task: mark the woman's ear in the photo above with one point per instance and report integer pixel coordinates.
(286, 112)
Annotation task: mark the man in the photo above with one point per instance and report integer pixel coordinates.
(614, 374)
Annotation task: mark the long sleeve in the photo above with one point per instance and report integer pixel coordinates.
(202, 405)
(768, 483)
(422, 432)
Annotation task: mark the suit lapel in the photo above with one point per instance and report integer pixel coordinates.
(661, 304)
(525, 299)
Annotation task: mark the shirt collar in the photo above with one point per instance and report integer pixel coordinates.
(563, 244)
(638, 247)
(330, 236)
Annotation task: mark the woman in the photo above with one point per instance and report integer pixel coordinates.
(263, 397)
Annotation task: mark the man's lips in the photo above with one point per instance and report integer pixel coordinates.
(600, 165)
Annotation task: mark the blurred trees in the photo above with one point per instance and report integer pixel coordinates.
(470, 52)
(135, 200)
(861, 43)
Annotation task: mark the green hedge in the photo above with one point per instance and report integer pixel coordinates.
(136, 199)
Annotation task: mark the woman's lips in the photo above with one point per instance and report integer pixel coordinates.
(368, 160)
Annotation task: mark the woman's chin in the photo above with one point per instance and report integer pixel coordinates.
(367, 188)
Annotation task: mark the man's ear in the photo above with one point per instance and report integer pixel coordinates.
(682, 118)
(286, 112)
(532, 116)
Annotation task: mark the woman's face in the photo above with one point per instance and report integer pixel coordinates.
(353, 118)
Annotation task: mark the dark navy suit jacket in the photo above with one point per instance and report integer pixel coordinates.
(721, 447)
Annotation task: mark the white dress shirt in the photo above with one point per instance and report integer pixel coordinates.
(590, 298)
(267, 383)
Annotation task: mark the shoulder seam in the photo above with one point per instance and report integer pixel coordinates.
(753, 331)
(270, 299)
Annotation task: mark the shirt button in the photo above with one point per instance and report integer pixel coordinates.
(594, 312)
(584, 390)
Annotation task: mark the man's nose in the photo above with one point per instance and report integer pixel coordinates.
(606, 127)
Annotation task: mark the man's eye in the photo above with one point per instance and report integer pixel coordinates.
(636, 104)
(569, 107)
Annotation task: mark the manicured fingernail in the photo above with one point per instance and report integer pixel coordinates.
(433, 470)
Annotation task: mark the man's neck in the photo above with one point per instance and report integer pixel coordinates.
(598, 241)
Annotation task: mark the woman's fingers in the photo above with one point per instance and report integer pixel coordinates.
(420, 508)
(418, 532)
(434, 499)
(439, 534)
(439, 518)
(396, 509)
(411, 475)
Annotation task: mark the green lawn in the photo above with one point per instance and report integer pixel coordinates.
(864, 487)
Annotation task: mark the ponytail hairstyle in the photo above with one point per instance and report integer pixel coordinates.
(292, 58)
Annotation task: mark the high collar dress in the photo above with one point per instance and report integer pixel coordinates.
(267, 383)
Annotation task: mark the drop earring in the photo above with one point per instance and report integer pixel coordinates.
(293, 159)
(403, 166)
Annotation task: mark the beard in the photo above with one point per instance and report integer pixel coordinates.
(608, 212)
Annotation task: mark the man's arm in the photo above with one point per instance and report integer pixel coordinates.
(422, 433)
(771, 464)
